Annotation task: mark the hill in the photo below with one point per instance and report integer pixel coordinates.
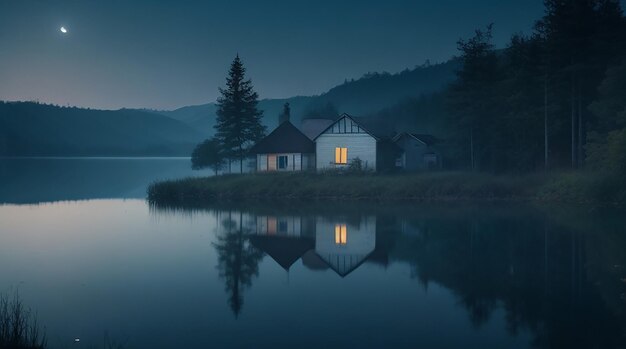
(365, 96)
(32, 129)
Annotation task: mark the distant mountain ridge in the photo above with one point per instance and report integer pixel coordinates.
(365, 96)
(32, 129)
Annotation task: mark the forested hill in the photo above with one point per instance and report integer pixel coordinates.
(364, 96)
(32, 129)
(375, 91)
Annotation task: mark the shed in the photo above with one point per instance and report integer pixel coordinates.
(419, 151)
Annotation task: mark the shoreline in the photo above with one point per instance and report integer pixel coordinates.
(566, 187)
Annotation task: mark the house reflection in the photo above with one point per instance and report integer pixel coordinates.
(340, 244)
(284, 238)
(344, 246)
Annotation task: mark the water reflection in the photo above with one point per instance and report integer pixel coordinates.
(238, 260)
(340, 245)
(560, 278)
(262, 275)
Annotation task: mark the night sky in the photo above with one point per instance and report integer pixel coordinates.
(168, 54)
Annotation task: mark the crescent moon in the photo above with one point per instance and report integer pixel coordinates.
(63, 30)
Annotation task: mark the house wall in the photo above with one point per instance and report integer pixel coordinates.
(360, 145)
(295, 162)
(288, 226)
(261, 162)
(308, 162)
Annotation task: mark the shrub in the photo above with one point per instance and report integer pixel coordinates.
(18, 327)
(355, 165)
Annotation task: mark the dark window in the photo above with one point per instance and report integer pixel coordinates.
(283, 226)
(283, 161)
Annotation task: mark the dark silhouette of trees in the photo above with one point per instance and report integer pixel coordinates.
(527, 106)
(208, 154)
(472, 98)
(238, 124)
(607, 142)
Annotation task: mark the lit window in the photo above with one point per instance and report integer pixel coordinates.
(341, 155)
(341, 234)
(283, 162)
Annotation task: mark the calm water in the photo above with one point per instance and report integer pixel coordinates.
(93, 259)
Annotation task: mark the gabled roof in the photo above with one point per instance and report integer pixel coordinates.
(314, 127)
(286, 138)
(344, 264)
(284, 250)
(423, 138)
(356, 120)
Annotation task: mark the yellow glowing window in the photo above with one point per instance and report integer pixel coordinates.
(341, 234)
(341, 155)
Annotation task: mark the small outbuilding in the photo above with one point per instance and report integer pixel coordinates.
(284, 149)
(419, 152)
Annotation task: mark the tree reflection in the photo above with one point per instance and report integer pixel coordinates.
(238, 260)
(541, 274)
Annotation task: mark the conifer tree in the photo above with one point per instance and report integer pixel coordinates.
(471, 98)
(238, 118)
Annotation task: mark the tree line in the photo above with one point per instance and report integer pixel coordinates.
(550, 99)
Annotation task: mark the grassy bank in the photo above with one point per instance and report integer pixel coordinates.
(447, 186)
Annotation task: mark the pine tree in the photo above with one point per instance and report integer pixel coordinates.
(238, 118)
(471, 99)
(285, 115)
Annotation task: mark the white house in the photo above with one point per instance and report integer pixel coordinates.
(343, 141)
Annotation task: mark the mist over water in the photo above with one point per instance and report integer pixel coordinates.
(35, 180)
(310, 274)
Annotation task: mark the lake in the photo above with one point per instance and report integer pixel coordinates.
(94, 260)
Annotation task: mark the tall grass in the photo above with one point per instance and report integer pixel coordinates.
(18, 326)
(439, 186)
